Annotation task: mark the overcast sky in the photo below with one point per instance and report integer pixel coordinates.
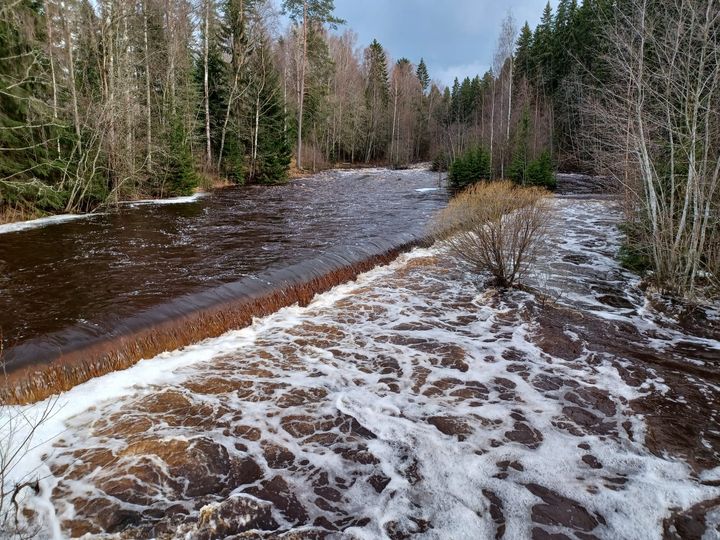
(456, 37)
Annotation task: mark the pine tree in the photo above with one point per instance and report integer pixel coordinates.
(306, 14)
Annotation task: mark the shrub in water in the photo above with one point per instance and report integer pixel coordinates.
(495, 227)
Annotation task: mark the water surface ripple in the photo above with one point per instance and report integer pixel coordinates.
(80, 279)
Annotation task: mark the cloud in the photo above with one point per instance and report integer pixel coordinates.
(455, 37)
(446, 75)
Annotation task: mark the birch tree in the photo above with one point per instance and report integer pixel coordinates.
(306, 14)
(658, 130)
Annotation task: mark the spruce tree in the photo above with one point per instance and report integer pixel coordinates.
(542, 50)
(423, 75)
(377, 69)
(377, 95)
(523, 53)
(28, 135)
(521, 157)
(272, 162)
(540, 172)
(180, 175)
(470, 167)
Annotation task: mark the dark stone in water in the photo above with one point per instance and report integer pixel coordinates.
(453, 426)
(616, 301)
(560, 511)
(282, 497)
(234, 516)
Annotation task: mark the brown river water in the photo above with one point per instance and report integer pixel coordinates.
(82, 298)
(409, 403)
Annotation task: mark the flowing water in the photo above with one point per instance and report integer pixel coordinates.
(72, 287)
(410, 404)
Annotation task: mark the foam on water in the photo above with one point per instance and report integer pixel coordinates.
(404, 403)
(64, 218)
(170, 200)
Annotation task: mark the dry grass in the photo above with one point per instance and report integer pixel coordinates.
(10, 214)
(495, 227)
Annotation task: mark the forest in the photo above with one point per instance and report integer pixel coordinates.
(104, 101)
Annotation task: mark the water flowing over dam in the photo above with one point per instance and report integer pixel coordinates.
(82, 298)
(410, 403)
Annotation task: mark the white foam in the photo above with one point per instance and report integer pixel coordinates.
(64, 218)
(171, 200)
(390, 313)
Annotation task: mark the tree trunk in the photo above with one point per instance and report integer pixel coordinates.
(206, 53)
(301, 82)
(148, 102)
(71, 76)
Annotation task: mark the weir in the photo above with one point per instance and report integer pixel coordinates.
(55, 363)
(96, 295)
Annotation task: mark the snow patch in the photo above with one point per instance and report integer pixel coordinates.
(42, 222)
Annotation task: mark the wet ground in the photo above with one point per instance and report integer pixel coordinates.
(411, 404)
(80, 279)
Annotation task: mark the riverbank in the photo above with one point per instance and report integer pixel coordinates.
(13, 221)
(39, 222)
(409, 403)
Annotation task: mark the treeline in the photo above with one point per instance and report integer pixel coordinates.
(112, 99)
(101, 101)
(628, 89)
(525, 113)
(106, 100)
(633, 92)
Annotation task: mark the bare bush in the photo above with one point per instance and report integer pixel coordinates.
(495, 227)
(19, 427)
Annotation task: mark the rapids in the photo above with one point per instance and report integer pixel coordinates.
(409, 403)
(84, 297)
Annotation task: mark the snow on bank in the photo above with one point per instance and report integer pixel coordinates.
(172, 200)
(42, 222)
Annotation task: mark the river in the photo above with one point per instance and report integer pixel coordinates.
(410, 403)
(76, 293)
